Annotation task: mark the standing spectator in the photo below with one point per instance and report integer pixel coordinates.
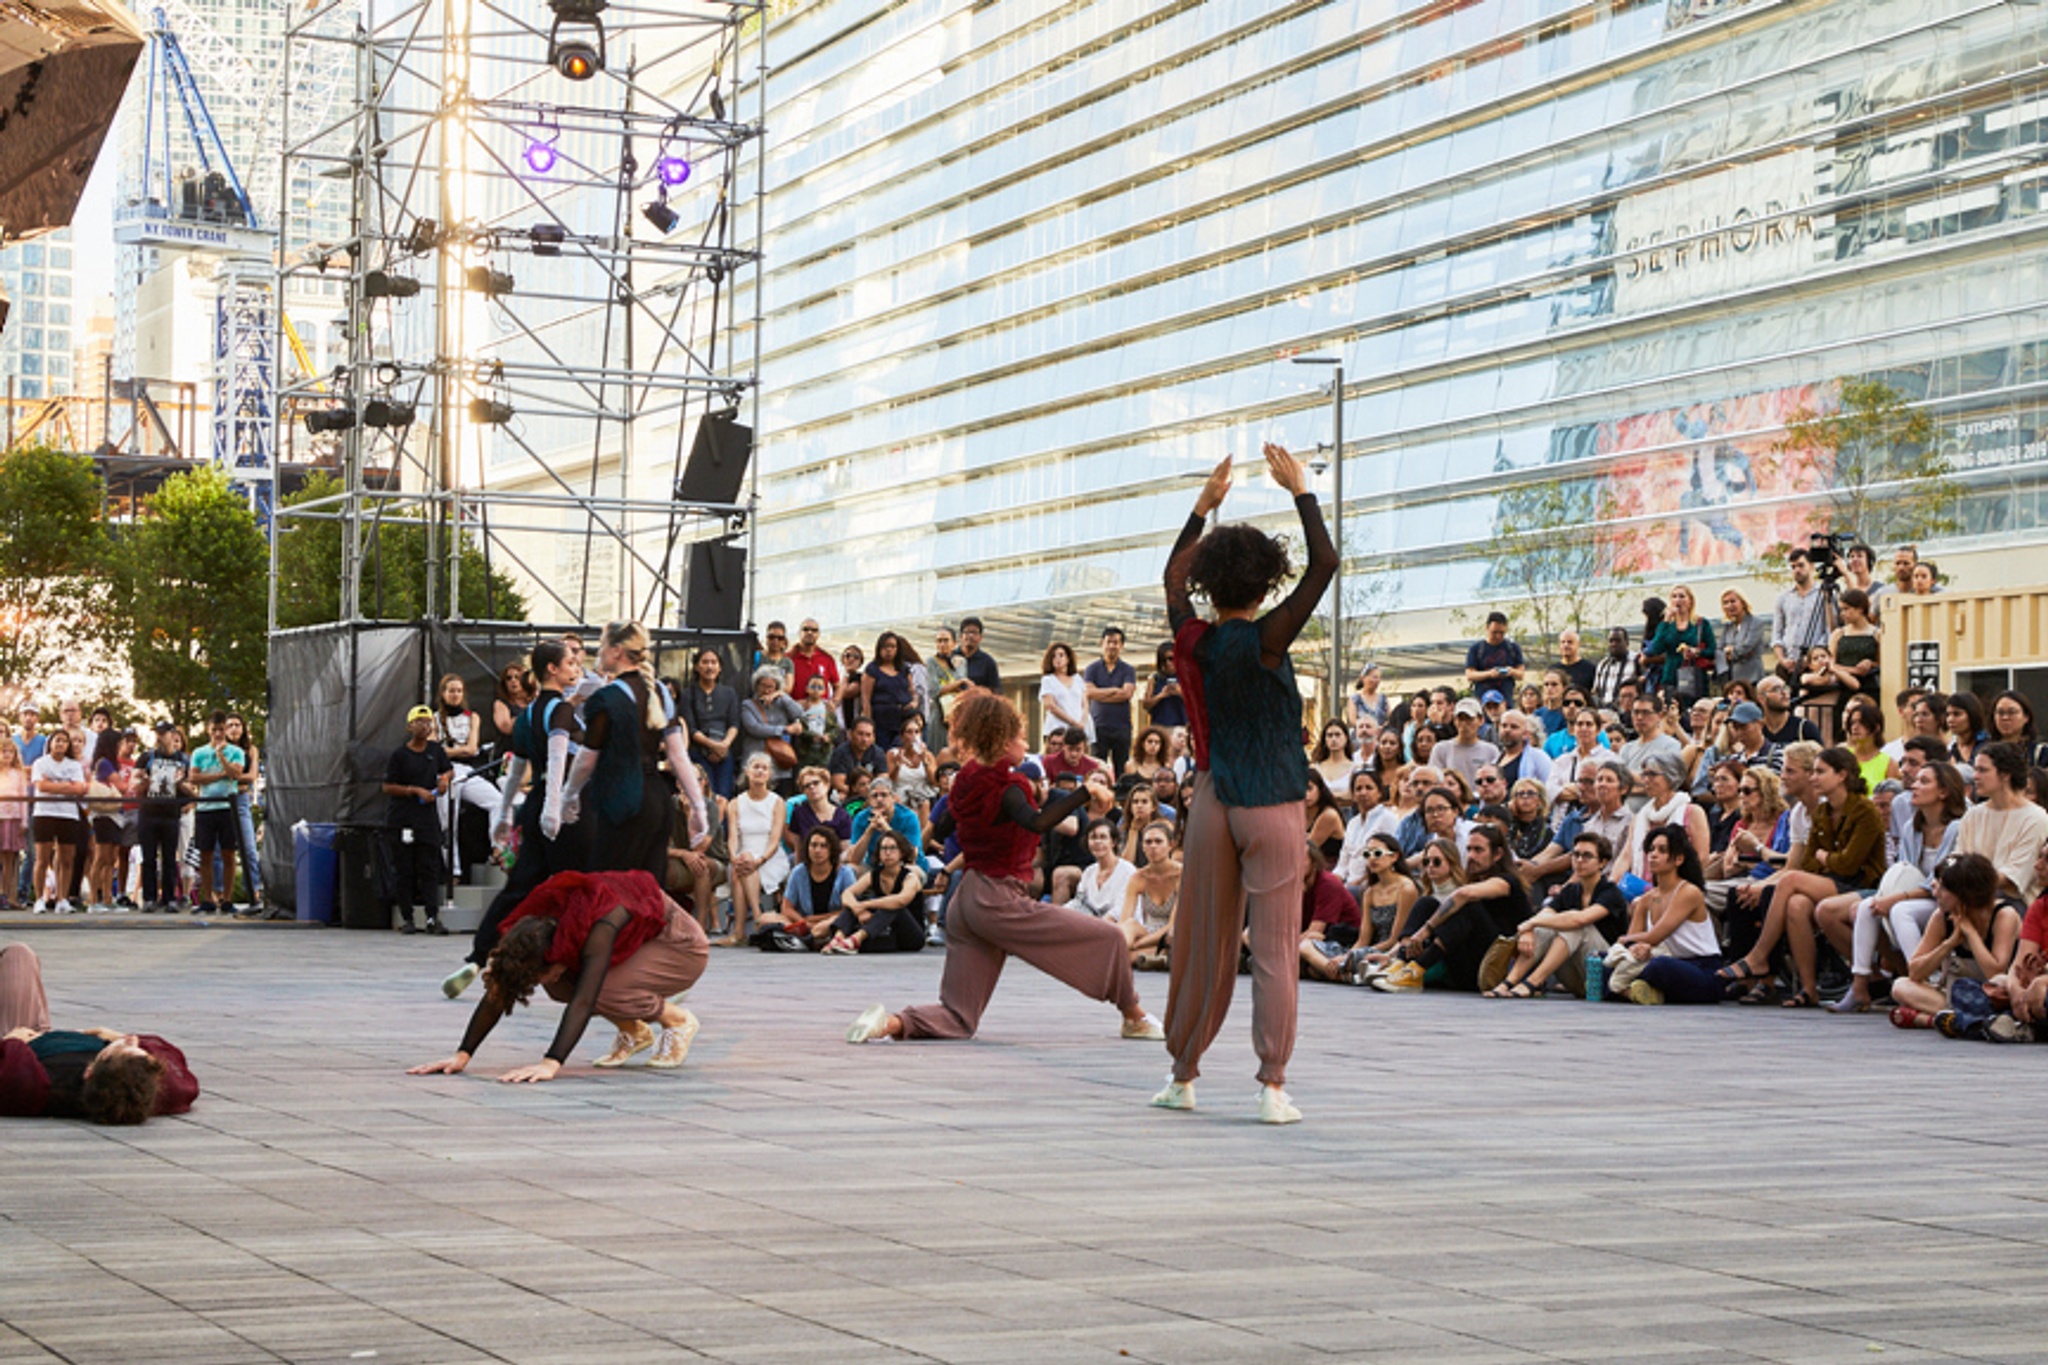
(113, 772)
(770, 721)
(1856, 642)
(515, 689)
(1682, 650)
(1367, 703)
(821, 726)
(810, 660)
(14, 817)
(1742, 639)
(859, 752)
(1799, 623)
(414, 778)
(245, 803)
(217, 772)
(1577, 669)
(886, 695)
(29, 742)
(1111, 683)
(157, 818)
(1615, 672)
(851, 663)
(1859, 569)
(1496, 659)
(976, 668)
(944, 668)
(711, 715)
(72, 716)
(1062, 696)
(1519, 756)
(1467, 753)
(775, 653)
(458, 731)
(1903, 561)
(1163, 700)
(1781, 725)
(60, 784)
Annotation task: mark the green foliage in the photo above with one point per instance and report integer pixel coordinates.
(309, 558)
(52, 546)
(1888, 480)
(189, 585)
(1549, 565)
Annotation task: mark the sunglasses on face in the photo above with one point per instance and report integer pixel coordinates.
(1583, 855)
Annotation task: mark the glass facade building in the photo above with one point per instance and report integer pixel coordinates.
(1034, 266)
(36, 345)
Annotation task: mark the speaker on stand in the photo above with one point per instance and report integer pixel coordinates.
(715, 590)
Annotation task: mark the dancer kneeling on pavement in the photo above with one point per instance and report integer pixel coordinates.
(95, 1074)
(993, 915)
(609, 943)
(1243, 837)
(1670, 953)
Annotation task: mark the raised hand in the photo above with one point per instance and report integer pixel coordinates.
(1215, 489)
(1286, 470)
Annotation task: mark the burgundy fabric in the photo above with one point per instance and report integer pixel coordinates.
(1189, 674)
(992, 846)
(24, 1085)
(1326, 899)
(179, 1087)
(576, 901)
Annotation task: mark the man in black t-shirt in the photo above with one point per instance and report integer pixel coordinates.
(858, 751)
(414, 779)
(164, 797)
(1495, 661)
(1111, 683)
(976, 667)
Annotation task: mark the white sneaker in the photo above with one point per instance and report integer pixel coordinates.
(1145, 1027)
(869, 1026)
(627, 1045)
(459, 980)
(675, 1044)
(1177, 1095)
(64, 907)
(1275, 1107)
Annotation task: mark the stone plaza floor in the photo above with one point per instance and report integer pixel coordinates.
(1476, 1181)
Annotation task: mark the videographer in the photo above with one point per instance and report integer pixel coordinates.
(1794, 628)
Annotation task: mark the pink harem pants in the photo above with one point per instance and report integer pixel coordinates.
(993, 918)
(1237, 863)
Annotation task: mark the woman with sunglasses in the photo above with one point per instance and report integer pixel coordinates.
(1389, 894)
(1441, 869)
(1583, 916)
(1759, 804)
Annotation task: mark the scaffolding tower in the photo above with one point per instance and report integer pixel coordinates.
(539, 273)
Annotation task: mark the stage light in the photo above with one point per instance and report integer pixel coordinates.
(580, 54)
(547, 238)
(673, 170)
(382, 284)
(381, 412)
(662, 216)
(484, 280)
(540, 155)
(577, 59)
(489, 412)
(324, 420)
(426, 235)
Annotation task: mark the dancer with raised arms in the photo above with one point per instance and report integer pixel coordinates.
(993, 915)
(1244, 848)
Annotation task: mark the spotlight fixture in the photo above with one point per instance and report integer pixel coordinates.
(661, 215)
(576, 43)
(383, 412)
(547, 238)
(540, 155)
(321, 421)
(674, 171)
(426, 235)
(382, 284)
(484, 280)
(489, 412)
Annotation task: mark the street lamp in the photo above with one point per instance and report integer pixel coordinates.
(1336, 522)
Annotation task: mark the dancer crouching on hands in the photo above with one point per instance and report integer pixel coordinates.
(608, 943)
(1244, 855)
(993, 915)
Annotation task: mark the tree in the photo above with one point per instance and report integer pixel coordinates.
(190, 598)
(394, 571)
(1549, 564)
(52, 547)
(1883, 477)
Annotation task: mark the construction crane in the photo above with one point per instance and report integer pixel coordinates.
(189, 197)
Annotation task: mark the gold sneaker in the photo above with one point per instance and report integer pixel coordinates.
(675, 1044)
(628, 1045)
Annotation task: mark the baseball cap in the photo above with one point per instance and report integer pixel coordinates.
(1468, 707)
(419, 713)
(1492, 697)
(164, 726)
(28, 708)
(1746, 713)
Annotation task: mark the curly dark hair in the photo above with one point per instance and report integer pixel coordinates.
(518, 962)
(984, 724)
(121, 1089)
(1237, 566)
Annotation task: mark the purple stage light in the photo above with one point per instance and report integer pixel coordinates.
(540, 157)
(673, 170)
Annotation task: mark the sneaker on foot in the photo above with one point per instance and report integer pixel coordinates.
(1145, 1026)
(65, 907)
(869, 1026)
(675, 1044)
(1399, 978)
(1177, 1095)
(2006, 1029)
(459, 980)
(436, 928)
(1275, 1107)
(1643, 993)
(629, 1044)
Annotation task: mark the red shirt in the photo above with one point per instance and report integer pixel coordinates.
(1326, 899)
(819, 663)
(1056, 763)
(1190, 674)
(992, 846)
(576, 901)
(2035, 929)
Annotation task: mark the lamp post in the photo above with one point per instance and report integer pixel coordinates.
(1336, 523)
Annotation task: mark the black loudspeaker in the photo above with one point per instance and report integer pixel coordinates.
(715, 592)
(718, 462)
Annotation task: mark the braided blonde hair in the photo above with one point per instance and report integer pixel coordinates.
(630, 638)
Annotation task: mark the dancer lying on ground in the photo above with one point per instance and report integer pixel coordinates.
(94, 1074)
(993, 915)
(609, 943)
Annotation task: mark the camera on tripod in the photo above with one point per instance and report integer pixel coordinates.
(1828, 552)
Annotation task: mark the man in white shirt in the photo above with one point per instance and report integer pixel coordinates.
(2004, 825)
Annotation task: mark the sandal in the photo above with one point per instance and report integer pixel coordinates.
(1801, 999)
(1499, 992)
(1520, 991)
(1738, 970)
(1905, 1016)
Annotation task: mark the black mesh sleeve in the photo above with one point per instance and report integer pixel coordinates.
(597, 960)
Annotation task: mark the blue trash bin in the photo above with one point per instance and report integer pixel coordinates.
(316, 870)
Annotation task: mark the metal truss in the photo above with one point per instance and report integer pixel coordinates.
(539, 275)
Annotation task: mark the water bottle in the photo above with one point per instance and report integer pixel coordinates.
(1596, 977)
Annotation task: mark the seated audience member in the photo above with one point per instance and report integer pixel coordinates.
(1140, 808)
(93, 1074)
(1583, 751)
(1423, 743)
(1489, 905)
(755, 820)
(1388, 895)
(1100, 891)
(1964, 716)
(1584, 916)
(694, 875)
(1370, 816)
(858, 752)
(1758, 809)
(1661, 776)
(1521, 756)
(2005, 825)
(2012, 722)
(1330, 922)
(1754, 917)
(813, 808)
(2023, 988)
(914, 767)
(1901, 903)
(815, 893)
(1067, 752)
(1670, 954)
(883, 812)
(1971, 936)
(1863, 736)
(882, 911)
(1467, 753)
(1528, 819)
(1324, 819)
(1150, 897)
(1388, 760)
(1151, 753)
(1332, 758)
